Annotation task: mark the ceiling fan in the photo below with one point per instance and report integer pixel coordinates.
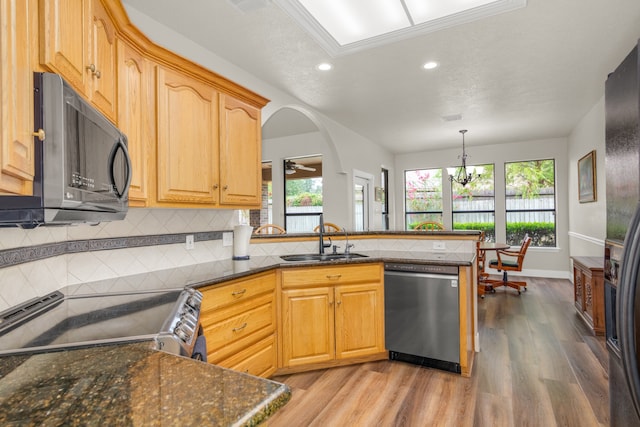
(290, 167)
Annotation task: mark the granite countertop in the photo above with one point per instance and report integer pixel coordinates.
(130, 384)
(220, 271)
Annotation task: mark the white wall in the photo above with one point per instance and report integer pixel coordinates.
(549, 262)
(587, 228)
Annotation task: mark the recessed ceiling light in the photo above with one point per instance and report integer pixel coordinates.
(325, 66)
(430, 65)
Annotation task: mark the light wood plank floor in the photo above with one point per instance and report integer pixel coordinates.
(538, 366)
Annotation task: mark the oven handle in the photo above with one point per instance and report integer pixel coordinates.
(112, 161)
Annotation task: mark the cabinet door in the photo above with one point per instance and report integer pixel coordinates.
(63, 38)
(18, 33)
(308, 326)
(135, 117)
(187, 164)
(359, 320)
(240, 153)
(102, 57)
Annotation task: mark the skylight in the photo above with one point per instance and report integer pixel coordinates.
(343, 26)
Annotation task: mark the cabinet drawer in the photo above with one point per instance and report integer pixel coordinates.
(321, 276)
(258, 359)
(219, 296)
(224, 327)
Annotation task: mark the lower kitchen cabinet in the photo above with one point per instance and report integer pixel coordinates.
(331, 316)
(258, 359)
(239, 323)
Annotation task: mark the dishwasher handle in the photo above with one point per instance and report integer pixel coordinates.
(422, 275)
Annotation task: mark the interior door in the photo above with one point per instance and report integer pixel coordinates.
(361, 203)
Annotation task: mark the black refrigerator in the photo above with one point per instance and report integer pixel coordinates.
(622, 248)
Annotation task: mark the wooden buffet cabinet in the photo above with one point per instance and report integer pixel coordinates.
(194, 136)
(588, 286)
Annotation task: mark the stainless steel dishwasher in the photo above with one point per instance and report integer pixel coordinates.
(422, 323)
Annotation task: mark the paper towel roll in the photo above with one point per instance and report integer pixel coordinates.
(241, 238)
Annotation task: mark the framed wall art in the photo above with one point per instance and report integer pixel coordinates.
(587, 178)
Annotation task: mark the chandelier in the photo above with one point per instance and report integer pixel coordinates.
(460, 174)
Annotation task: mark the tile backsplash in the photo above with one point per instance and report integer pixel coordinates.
(19, 283)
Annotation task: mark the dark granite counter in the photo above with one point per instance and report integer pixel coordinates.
(130, 384)
(219, 271)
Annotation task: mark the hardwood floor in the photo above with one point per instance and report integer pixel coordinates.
(538, 366)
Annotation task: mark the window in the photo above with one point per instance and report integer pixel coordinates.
(530, 202)
(423, 196)
(474, 204)
(303, 193)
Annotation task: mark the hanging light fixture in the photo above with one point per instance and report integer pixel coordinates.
(460, 174)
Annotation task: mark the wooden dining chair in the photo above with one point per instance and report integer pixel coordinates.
(329, 227)
(269, 229)
(429, 225)
(509, 260)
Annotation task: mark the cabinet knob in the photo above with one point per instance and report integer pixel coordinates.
(215, 186)
(94, 70)
(225, 187)
(40, 134)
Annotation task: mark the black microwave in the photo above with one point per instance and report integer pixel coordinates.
(82, 166)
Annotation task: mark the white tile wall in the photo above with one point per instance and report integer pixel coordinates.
(25, 281)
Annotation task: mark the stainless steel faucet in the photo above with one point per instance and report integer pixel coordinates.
(322, 244)
(347, 247)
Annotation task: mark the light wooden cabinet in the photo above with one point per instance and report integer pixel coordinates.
(239, 322)
(187, 148)
(194, 136)
(136, 117)
(78, 41)
(240, 153)
(18, 41)
(331, 315)
(588, 286)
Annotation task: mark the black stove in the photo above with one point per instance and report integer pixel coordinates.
(168, 318)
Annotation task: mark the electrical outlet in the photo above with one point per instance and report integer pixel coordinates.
(189, 242)
(227, 239)
(439, 246)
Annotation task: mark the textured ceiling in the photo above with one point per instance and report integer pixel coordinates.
(527, 74)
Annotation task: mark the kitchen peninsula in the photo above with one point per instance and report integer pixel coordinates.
(137, 362)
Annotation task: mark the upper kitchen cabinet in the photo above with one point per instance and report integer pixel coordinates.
(18, 42)
(187, 148)
(136, 117)
(77, 41)
(240, 147)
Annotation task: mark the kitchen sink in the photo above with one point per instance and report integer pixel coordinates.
(320, 257)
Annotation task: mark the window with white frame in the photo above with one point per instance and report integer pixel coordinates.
(422, 196)
(473, 205)
(530, 202)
